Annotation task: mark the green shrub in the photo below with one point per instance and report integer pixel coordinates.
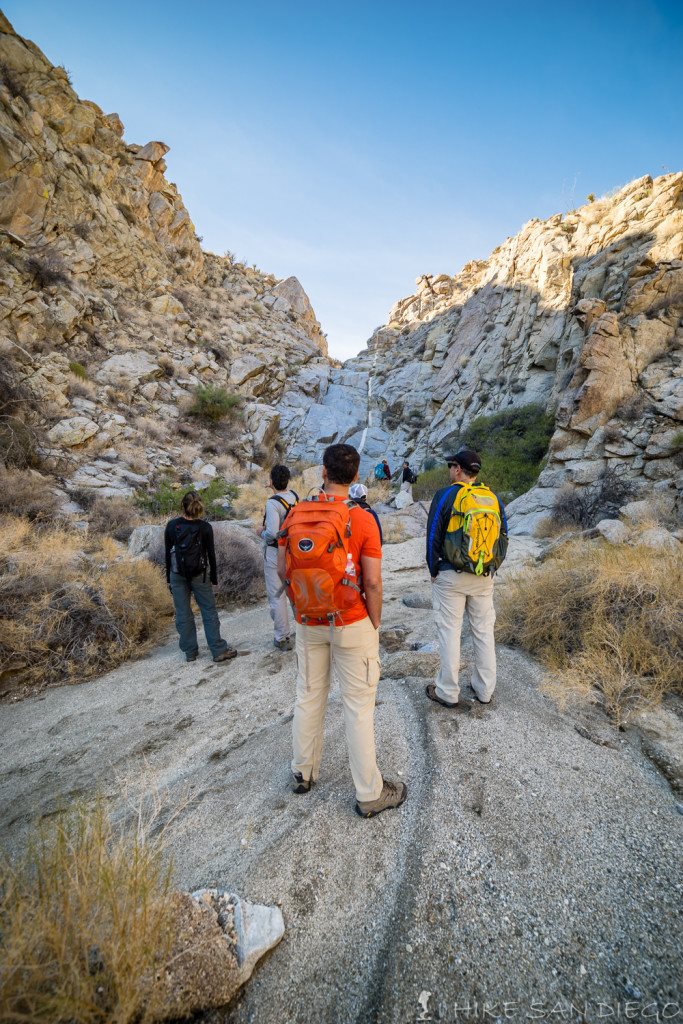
(78, 370)
(213, 403)
(164, 500)
(512, 445)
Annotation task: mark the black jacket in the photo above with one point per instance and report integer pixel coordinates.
(437, 524)
(207, 542)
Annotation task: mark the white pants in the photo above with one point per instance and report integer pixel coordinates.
(407, 487)
(454, 593)
(356, 660)
(278, 604)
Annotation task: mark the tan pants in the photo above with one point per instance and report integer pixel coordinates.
(454, 593)
(356, 661)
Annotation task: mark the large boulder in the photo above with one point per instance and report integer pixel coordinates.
(73, 431)
(131, 368)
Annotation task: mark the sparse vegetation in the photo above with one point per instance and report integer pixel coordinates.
(586, 506)
(86, 920)
(164, 499)
(78, 370)
(213, 403)
(47, 268)
(607, 621)
(83, 229)
(67, 613)
(26, 493)
(127, 212)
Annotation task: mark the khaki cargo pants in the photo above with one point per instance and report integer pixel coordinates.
(454, 593)
(356, 662)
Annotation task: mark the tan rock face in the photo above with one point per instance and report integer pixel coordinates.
(100, 267)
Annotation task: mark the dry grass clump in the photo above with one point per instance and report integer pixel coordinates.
(379, 491)
(239, 564)
(86, 922)
(607, 621)
(66, 615)
(115, 517)
(26, 493)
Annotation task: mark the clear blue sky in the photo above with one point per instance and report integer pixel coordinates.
(360, 144)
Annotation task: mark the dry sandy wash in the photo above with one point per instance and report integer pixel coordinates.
(529, 864)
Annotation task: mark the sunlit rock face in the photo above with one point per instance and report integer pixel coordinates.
(580, 314)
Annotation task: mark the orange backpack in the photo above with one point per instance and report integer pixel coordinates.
(317, 533)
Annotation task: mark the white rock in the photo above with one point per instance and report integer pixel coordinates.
(73, 431)
(258, 929)
(659, 539)
(403, 500)
(141, 539)
(613, 530)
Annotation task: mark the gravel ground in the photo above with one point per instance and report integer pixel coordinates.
(529, 866)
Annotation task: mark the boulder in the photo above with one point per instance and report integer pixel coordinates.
(142, 538)
(313, 478)
(403, 500)
(244, 368)
(131, 368)
(613, 530)
(72, 432)
(659, 539)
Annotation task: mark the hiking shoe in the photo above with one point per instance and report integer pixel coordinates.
(283, 645)
(192, 657)
(484, 702)
(459, 705)
(227, 655)
(393, 794)
(300, 784)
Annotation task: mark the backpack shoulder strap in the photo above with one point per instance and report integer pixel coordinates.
(281, 501)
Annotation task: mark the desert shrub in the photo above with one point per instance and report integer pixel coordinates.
(65, 615)
(239, 564)
(213, 403)
(78, 370)
(167, 366)
(23, 493)
(633, 408)
(164, 499)
(10, 78)
(602, 616)
(586, 506)
(19, 443)
(126, 211)
(86, 921)
(115, 517)
(429, 482)
(47, 269)
(512, 445)
(83, 229)
(79, 388)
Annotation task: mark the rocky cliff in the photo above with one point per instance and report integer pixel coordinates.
(580, 314)
(111, 314)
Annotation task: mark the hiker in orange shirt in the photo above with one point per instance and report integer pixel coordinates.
(330, 559)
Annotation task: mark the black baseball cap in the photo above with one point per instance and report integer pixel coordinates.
(466, 459)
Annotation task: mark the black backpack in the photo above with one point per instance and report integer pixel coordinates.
(188, 550)
(413, 476)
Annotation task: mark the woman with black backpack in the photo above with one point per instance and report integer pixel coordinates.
(189, 551)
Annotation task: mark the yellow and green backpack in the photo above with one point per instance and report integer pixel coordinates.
(474, 540)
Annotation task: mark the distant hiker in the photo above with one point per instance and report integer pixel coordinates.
(359, 494)
(330, 558)
(387, 471)
(408, 478)
(277, 506)
(382, 471)
(189, 552)
(466, 543)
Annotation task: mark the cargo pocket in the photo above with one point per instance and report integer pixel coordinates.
(373, 668)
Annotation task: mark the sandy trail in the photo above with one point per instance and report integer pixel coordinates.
(528, 865)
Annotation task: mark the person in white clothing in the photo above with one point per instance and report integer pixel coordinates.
(277, 507)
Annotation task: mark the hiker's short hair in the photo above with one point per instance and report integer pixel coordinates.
(341, 462)
(279, 476)
(192, 505)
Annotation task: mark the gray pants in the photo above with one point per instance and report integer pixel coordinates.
(181, 589)
(278, 604)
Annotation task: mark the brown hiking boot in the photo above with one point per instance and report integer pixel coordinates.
(227, 655)
(458, 705)
(393, 794)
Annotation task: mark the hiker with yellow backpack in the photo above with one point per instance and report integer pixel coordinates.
(467, 539)
(330, 560)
